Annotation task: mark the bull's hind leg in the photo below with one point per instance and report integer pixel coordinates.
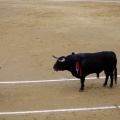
(106, 79)
(97, 75)
(111, 77)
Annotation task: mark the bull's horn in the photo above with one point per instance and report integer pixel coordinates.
(55, 57)
(63, 60)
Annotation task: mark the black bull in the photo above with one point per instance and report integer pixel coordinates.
(83, 64)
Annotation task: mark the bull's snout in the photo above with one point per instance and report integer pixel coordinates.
(55, 68)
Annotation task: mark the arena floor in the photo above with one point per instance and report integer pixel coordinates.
(31, 32)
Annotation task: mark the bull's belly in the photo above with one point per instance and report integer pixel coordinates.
(91, 71)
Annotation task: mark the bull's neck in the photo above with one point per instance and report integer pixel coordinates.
(72, 69)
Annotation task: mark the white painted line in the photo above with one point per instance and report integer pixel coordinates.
(107, 1)
(59, 110)
(46, 81)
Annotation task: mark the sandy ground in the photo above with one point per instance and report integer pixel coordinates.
(31, 32)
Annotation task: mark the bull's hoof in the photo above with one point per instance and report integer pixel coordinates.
(104, 85)
(81, 90)
(110, 86)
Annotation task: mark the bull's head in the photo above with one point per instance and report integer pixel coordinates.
(60, 63)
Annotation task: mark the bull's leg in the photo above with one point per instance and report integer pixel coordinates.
(97, 75)
(82, 84)
(106, 80)
(111, 77)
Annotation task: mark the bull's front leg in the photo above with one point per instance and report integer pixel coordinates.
(82, 84)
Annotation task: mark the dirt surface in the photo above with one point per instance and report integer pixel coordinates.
(31, 31)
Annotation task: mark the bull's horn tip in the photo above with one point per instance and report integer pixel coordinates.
(55, 57)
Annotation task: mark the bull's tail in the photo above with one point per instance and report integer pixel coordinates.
(115, 70)
(115, 75)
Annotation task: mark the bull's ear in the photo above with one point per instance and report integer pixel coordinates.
(73, 53)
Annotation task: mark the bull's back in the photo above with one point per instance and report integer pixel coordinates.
(109, 58)
(97, 62)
